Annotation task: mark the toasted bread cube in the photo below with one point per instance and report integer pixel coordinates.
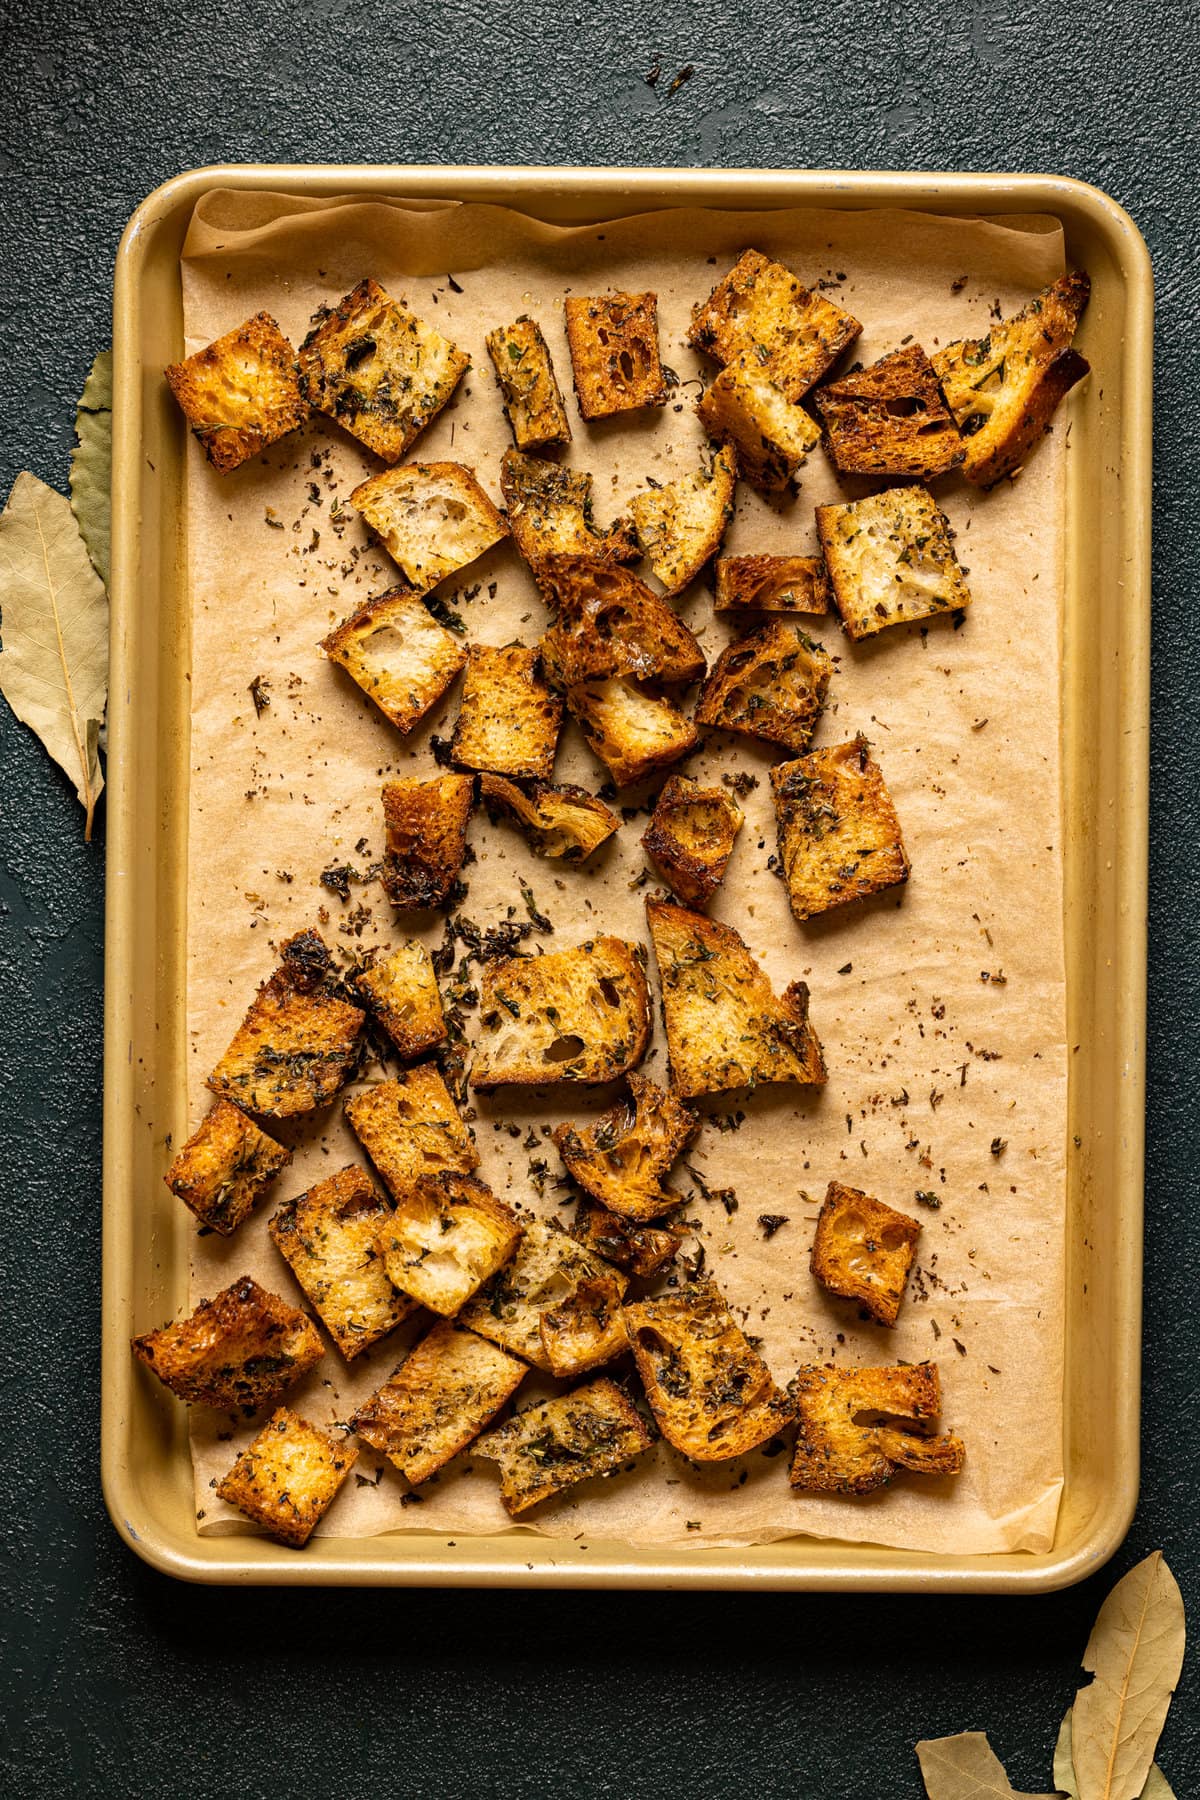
(680, 525)
(841, 1448)
(771, 434)
(1003, 389)
(550, 513)
(890, 419)
(547, 1269)
(726, 1028)
(240, 393)
(510, 717)
(711, 1394)
(770, 684)
(288, 1478)
(225, 1168)
(410, 1128)
(433, 518)
(399, 655)
(610, 623)
(586, 1330)
(546, 1449)
(377, 369)
(891, 560)
(425, 838)
(772, 584)
(533, 399)
(239, 1350)
(625, 1156)
(690, 837)
(642, 1249)
(295, 1047)
(613, 339)
(449, 1386)
(763, 312)
(402, 993)
(447, 1236)
(328, 1236)
(632, 732)
(565, 822)
(839, 837)
(863, 1250)
(580, 1015)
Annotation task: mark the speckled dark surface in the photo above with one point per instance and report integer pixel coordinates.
(117, 1681)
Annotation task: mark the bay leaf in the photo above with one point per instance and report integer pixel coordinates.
(53, 632)
(1135, 1654)
(965, 1767)
(91, 464)
(1157, 1786)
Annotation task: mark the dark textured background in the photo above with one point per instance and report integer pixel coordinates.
(117, 1681)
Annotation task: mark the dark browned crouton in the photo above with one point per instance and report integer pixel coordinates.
(624, 1157)
(762, 312)
(839, 837)
(288, 1478)
(532, 397)
(773, 584)
(890, 419)
(410, 1128)
(863, 1250)
(241, 393)
(239, 1350)
(547, 1268)
(426, 837)
(770, 684)
(399, 655)
(550, 514)
(691, 836)
(633, 732)
(225, 1168)
(852, 1438)
(402, 992)
(509, 719)
(565, 822)
(580, 1015)
(610, 623)
(433, 519)
(328, 1236)
(642, 1249)
(448, 1235)
(680, 524)
(891, 560)
(449, 1386)
(546, 1449)
(613, 340)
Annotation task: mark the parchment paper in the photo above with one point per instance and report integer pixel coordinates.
(932, 1056)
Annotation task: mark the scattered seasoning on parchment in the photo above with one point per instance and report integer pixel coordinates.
(925, 1198)
(999, 1146)
(958, 284)
(771, 1223)
(260, 693)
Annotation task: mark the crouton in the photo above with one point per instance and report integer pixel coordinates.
(1003, 389)
(533, 400)
(854, 1428)
(296, 1045)
(241, 393)
(447, 1236)
(586, 1330)
(565, 822)
(402, 992)
(608, 622)
(642, 1249)
(328, 1236)
(288, 1478)
(770, 684)
(425, 825)
(546, 1449)
(891, 560)
(632, 732)
(680, 525)
(433, 518)
(550, 513)
(410, 1128)
(771, 434)
(399, 655)
(725, 1026)
(772, 584)
(449, 1386)
(890, 419)
(763, 312)
(548, 1268)
(237, 1351)
(580, 1015)
(509, 719)
(690, 837)
(225, 1168)
(711, 1394)
(613, 339)
(839, 837)
(377, 369)
(625, 1156)
(863, 1250)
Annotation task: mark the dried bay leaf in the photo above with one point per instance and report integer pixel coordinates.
(53, 632)
(1157, 1786)
(965, 1767)
(1135, 1654)
(91, 464)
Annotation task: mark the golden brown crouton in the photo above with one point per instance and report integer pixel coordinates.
(546, 1449)
(425, 824)
(328, 1236)
(771, 434)
(711, 1394)
(770, 684)
(863, 1250)
(610, 623)
(547, 1269)
(772, 584)
(402, 992)
(399, 655)
(449, 1386)
(725, 1026)
(625, 1156)
(690, 837)
(642, 1249)
(761, 311)
(613, 339)
(586, 1330)
(288, 1478)
(240, 393)
(550, 513)
(680, 525)
(1003, 389)
(632, 732)
(852, 1435)
(565, 822)
(294, 1048)
(890, 559)
(410, 1128)
(225, 1168)
(509, 719)
(580, 1015)
(890, 419)
(447, 1236)
(377, 369)
(433, 518)
(238, 1350)
(532, 398)
(839, 837)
